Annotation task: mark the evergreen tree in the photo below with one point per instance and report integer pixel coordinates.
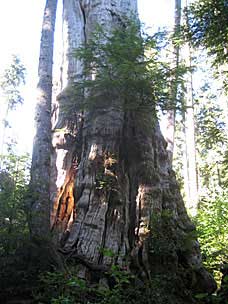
(10, 85)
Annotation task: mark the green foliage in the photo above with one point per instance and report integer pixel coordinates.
(208, 27)
(14, 232)
(122, 68)
(212, 227)
(14, 176)
(13, 215)
(13, 78)
(210, 119)
(61, 288)
(107, 252)
(113, 287)
(211, 139)
(13, 168)
(211, 146)
(211, 125)
(10, 85)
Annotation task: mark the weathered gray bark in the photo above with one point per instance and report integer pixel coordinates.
(67, 128)
(112, 186)
(40, 172)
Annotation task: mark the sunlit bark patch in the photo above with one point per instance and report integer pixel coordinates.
(64, 207)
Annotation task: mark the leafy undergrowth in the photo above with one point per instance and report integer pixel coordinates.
(115, 288)
(212, 229)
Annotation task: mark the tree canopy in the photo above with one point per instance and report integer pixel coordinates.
(208, 27)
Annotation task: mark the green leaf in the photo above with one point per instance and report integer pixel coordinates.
(200, 296)
(225, 279)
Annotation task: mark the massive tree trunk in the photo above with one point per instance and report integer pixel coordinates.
(40, 172)
(112, 186)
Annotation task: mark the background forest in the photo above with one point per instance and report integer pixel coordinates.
(190, 66)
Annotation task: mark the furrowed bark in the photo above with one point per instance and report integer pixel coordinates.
(112, 185)
(66, 132)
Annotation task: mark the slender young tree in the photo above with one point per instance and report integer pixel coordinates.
(169, 132)
(191, 175)
(40, 172)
